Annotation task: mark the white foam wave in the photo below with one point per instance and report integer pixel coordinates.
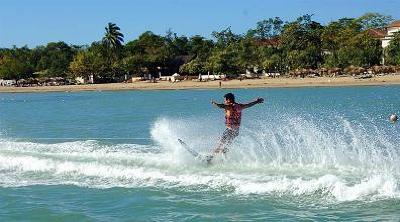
(329, 185)
(299, 159)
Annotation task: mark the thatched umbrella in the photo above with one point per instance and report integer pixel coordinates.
(353, 70)
(384, 69)
(397, 69)
(334, 71)
(349, 70)
(322, 71)
(21, 82)
(392, 69)
(361, 70)
(32, 81)
(375, 69)
(298, 72)
(42, 80)
(293, 73)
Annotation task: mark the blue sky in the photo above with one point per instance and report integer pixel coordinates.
(37, 22)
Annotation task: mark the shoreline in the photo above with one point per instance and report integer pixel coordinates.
(231, 84)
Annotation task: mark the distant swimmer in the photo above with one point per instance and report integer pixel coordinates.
(393, 118)
(233, 116)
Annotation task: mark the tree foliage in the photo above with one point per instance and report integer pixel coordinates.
(372, 20)
(273, 45)
(16, 63)
(268, 28)
(393, 50)
(345, 43)
(301, 43)
(225, 37)
(113, 38)
(147, 53)
(55, 58)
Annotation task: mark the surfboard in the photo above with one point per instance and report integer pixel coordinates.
(195, 153)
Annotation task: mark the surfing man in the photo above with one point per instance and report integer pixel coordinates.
(233, 117)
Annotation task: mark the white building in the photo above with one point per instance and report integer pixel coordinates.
(385, 35)
(391, 29)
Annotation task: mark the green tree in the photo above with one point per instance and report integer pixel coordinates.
(248, 54)
(149, 52)
(345, 43)
(177, 45)
(133, 64)
(200, 50)
(225, 37)
(392, 54)
(113, 38)
(301, 43)
(266, 29)
(223, 61)
(272, 59)
(335, 38)
(55, 58)
(112, 41)
(373, 20)
(16, 63)
(82, 65)
(193, 67)
(14, 68)
(92, 61)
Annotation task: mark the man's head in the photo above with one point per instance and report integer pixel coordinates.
(229, 98)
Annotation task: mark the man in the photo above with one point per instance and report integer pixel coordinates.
(233, 116)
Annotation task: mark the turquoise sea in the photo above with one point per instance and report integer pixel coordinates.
(312, 154)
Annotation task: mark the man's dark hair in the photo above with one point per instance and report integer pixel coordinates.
(230, 97)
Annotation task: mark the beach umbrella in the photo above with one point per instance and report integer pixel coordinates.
(21, 81)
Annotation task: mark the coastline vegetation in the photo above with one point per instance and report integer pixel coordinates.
(274, 46)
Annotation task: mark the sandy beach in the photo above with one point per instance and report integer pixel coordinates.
(231, 84)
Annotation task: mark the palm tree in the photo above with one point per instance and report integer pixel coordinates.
(113, 38)
(112, 41)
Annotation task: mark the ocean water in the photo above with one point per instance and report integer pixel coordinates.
(314, 154)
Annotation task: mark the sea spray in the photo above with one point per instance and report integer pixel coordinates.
(356, 156)
(301, 157)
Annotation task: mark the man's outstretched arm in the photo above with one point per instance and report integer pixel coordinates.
(222, 106)
(250, 104)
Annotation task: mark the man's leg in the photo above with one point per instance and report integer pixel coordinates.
(223, 142)
(226, 139)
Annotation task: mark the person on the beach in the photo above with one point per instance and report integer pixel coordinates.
(233, 116)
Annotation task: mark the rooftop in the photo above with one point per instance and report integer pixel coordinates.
(377, 33)
(395, 24)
